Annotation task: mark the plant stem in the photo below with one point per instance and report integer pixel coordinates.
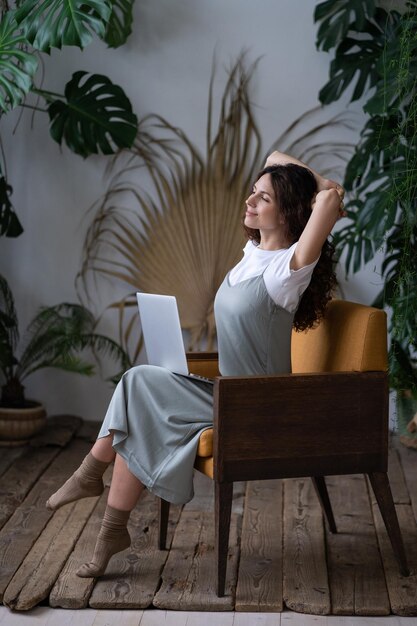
(29, 106)
(48, 95)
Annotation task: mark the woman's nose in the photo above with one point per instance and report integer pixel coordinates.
(251, 199)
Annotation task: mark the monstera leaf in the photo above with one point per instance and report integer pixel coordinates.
(97, 116)
(17, 67)
(337, 17)
(53, 23)
(119, 26)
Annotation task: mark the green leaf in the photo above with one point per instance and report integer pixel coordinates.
(9, 222)
(57, 336)
(347, 64)
(363, 52)
(119, 26)
(9, 329)
(17, 67)
(337, 17)
(97, 116)
(55, 23)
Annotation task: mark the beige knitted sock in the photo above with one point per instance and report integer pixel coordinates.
(86, 481)
(112, 538)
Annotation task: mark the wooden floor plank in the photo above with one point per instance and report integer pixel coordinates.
(305, 582)
(59, 430)
(8, 457)
(402, 590)
(408, 458)
(259, 586)
(30, 518)
(188, 578)
(36, 576)
(203, 499)
(31, 462)
(133, 576)
(356, 575)
(70, 591)
(188, 586)
(18, 480)
(396, 478)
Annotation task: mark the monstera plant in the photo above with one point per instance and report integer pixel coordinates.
(376, 51)
(93, 115)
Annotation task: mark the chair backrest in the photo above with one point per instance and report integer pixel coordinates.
(351, 337)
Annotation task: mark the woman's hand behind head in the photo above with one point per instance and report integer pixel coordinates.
(332, 199)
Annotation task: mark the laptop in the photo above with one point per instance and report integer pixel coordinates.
(162, 334)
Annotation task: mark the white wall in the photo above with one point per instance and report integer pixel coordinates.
(164, 68)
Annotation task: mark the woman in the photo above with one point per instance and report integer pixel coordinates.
(154, 420)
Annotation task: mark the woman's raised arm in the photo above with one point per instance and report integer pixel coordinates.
(327, 208)
(280, 158)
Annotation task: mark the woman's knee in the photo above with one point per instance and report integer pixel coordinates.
(145, 373)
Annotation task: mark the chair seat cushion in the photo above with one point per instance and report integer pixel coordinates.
(205, 445)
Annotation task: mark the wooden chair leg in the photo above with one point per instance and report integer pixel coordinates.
(323, 496)
(163, 522)
(382, 490)
(223, 507)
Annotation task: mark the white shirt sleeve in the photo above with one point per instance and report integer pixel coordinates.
(284, 285)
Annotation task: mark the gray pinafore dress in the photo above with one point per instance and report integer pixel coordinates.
(157, 416)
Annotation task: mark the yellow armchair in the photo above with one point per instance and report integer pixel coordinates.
(329, 417)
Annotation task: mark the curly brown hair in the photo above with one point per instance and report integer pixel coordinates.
(294, 187)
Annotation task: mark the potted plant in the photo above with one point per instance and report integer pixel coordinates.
(93, 115)
(55, 338)
(377, 49)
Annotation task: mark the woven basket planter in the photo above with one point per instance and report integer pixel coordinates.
(18, 426)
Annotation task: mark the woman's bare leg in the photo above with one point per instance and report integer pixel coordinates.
(102, 450)
(114, 537)
(125, 488)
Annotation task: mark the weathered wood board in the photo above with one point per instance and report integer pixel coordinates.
(402, 590)
(133, 576)
(356, 576)
(259, 586)
(305, 583)
(30, 518)
(321, 573)
(188, 578)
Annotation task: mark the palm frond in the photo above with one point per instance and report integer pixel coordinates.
(180, 232)
(57, 336)
(307, 139)
(182, 238)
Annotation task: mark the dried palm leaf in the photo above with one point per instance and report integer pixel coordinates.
(183, 237)
(183, 232)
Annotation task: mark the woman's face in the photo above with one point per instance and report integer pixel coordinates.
(262, 212)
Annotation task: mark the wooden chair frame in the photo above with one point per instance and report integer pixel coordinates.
(311, 425)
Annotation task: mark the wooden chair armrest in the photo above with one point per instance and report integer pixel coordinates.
(294, 418)
(205, 356)
(203, 363)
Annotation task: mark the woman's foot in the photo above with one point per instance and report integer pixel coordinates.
(112, 538)
(86, 481)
